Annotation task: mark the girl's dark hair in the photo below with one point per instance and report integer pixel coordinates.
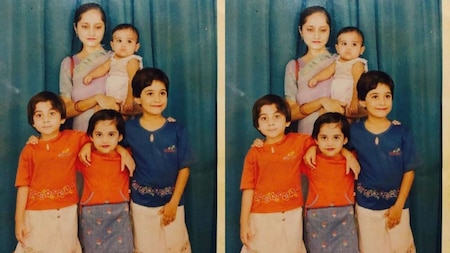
(270, 99)
(106, 114)
(87, 7)
(328, 118)
(351, 29)
(45, 96)
(145, 77)
(125, 27)
(370, 80)
(311, 10)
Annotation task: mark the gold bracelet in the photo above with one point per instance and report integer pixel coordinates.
(75, 106)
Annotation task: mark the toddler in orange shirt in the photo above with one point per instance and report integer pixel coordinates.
(330, 214)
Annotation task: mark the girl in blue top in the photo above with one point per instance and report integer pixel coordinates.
(387, 158)
(163, 157)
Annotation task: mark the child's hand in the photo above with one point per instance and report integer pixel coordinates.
(310, 157)
(87, 79)
(353, 107)
(351, 163)
(168, 213)
(258, 143)
(246, 235)
(393, 216)
(128, 105)
(33, 140)
(21, 232)
(312, 83)
(126, 160)
(85, 154)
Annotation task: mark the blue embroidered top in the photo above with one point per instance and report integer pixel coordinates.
(159, 155)
(384, 158)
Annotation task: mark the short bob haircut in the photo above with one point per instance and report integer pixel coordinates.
(270, 99)
(330, 118)
(45, 96)
(145, 77)
(370, 80)
(106, 114)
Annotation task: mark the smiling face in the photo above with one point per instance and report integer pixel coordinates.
(315, 31)
(272, 123)
(153, 98)
(124, 43)
(47, 120)
(378, 101)
(330, 139)
(105, 136)
(349, 46)
(90, 28)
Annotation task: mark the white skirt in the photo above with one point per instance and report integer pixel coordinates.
(54, 230)
(276, 232)
(374, 237)
(151, 237)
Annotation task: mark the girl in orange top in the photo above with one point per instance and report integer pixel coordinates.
(272, 199)
(46, 209)
(105, 217)
(330, 215)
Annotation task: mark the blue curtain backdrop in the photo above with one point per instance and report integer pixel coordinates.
(403, 38)
(177, 36)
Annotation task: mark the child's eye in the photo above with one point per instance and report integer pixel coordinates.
(309, 29)
(263, 118)
(163, 93)
(98, 135)
(389, 96)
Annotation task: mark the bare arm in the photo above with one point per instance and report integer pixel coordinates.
(75, 109)
(133, 66)
(324, 74)
(357, 71)
(246, 206)
(394, 213)
(21, 202)
(99, 71)
(169, 210)
(300, 112)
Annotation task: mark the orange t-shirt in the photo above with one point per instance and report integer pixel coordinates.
(273, 171)
(104, 183)
(328, 184)
(48, 169)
